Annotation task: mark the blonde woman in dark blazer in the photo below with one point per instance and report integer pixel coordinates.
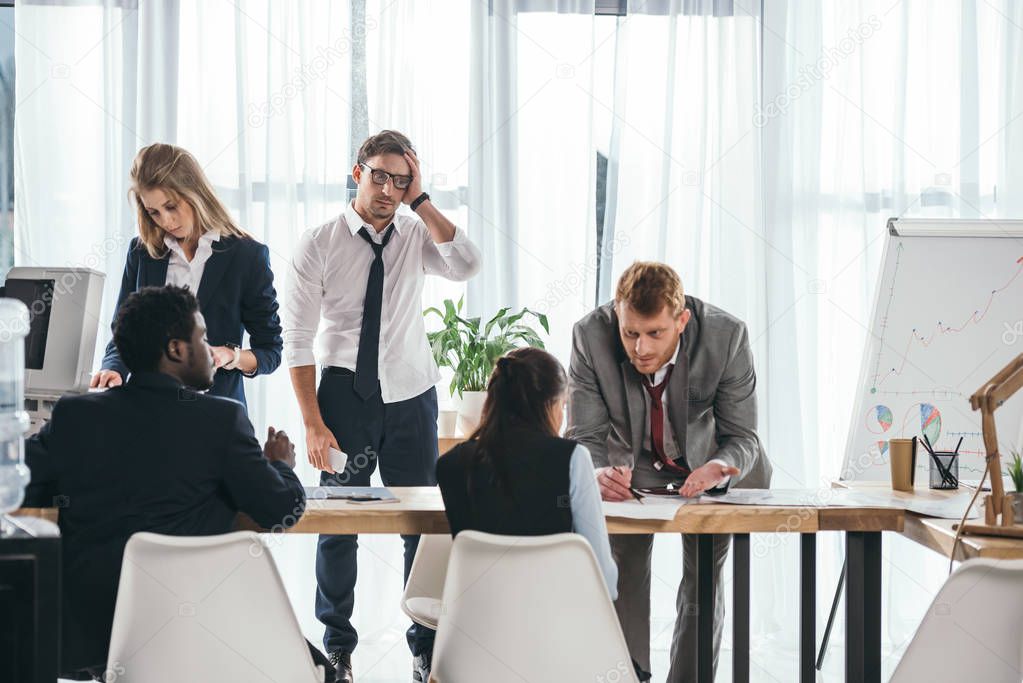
(187, 238)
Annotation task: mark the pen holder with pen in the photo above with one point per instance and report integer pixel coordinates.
(944, 470)
(944, 466)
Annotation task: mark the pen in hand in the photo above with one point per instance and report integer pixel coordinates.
(634, 492)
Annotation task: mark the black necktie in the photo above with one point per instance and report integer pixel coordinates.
(367, 362)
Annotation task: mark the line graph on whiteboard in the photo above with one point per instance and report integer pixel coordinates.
(942, 321)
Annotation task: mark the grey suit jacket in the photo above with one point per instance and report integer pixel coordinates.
(606, 408)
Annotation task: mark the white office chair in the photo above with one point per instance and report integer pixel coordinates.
(208, 608)
(973, 629)
(527, 608)
(422, 598)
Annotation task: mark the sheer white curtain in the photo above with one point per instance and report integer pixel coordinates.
(531, 160)
(425, 94)
(75, 136)
(870, 110)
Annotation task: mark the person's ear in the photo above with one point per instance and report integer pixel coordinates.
(357, 173)
(683, 319)
(176, 350)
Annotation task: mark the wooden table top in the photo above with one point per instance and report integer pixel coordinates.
(420, 510)
(938, 534)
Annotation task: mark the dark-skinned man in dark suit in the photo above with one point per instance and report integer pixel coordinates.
(154, 454)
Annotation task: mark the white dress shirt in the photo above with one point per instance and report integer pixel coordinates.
(327, 280)
(182, 272)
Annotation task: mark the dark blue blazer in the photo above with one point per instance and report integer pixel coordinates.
(236, 294)
(149, 455)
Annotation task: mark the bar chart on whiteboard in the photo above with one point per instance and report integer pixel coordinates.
(948, 314)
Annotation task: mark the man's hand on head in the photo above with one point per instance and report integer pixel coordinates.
(707, 476)
(415, 188)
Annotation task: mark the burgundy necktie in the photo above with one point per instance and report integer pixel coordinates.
(661, 459)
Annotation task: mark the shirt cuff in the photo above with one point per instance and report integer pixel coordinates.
(445, 248)
(299, 357)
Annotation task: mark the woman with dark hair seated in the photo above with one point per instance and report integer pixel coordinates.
(514, 475)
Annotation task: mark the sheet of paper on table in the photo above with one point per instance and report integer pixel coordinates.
(661, 508)
(950, 508)
(351, 494)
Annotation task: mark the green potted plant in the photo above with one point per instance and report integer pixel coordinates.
(1016, 472)
(471, 347)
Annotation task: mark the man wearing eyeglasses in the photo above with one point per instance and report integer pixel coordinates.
(362, 274)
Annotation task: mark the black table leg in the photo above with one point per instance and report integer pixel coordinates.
(30, 602)
(49, 597)
(740, 608)
(807, 607)
(863, 607)
(831, 617)
(705, 608)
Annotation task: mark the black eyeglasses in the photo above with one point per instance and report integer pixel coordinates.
(400, 182)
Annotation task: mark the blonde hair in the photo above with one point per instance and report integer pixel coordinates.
(176, 172)
(647, 287)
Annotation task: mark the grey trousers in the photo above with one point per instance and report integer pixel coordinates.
(632, 553)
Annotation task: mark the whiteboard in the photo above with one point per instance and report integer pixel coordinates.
(948, 315)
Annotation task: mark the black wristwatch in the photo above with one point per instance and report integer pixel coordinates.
(237, 356)
(418, 200)
(233, 365)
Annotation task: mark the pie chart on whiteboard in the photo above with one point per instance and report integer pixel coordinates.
(930, 422)
(879, 419)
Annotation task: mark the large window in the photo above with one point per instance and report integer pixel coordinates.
(6, 137)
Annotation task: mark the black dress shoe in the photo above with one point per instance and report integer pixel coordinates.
(342, 662)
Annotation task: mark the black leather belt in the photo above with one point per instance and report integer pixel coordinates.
(334, 370)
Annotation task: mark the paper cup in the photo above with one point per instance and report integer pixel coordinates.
(900, 456)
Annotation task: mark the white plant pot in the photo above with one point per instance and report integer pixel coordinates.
(447, 421)
(470, 407)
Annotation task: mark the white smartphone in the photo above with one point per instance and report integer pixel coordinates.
(337, 459)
